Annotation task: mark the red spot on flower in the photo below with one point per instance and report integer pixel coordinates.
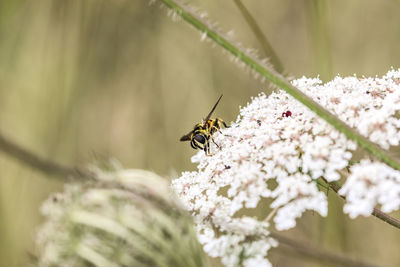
(287, 114)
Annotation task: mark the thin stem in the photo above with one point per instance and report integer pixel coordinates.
(271, 214)
(376, 212)
(34, 161)
(319, 32)
(318, 253)
(281, 82)
(265, 44)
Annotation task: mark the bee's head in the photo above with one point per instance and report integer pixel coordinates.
(200, 138)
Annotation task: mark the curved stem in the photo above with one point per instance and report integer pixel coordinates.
(280, 81)
(317, 252)
(267, 47)
(376, 212)
(319, 33)
(34, 161)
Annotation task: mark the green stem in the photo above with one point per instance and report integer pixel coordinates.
(319, 32)
(317, 253)
(281, 82)
(267, 47)
(376, 212)
(45, 166)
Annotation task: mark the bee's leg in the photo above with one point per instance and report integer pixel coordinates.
(207, 149)
(219, 129)
(208, 153)
(220, 122)
(212, 139)
(215, 129)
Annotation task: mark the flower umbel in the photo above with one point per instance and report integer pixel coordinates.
(126, 218)
(275, 151)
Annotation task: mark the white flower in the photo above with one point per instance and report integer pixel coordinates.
(294, 195)
(276, 150)
(369, 184)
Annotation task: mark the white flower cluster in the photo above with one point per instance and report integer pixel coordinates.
(369, 184)
(366, 104)
(276, 150)
(125, 218)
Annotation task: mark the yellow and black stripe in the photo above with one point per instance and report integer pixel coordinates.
(202, 133)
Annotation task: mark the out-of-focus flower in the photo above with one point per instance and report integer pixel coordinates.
(126, 218)
(276, 150)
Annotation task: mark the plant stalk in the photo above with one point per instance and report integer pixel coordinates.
(376, 212)
(280, 81)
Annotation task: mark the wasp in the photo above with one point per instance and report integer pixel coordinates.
(202, 132)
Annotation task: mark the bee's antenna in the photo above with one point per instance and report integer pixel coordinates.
(212, 110)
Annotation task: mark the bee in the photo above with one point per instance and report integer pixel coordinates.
(202, 132)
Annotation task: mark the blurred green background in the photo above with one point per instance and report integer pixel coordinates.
(82, 79)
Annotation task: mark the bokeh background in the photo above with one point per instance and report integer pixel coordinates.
(83, 79)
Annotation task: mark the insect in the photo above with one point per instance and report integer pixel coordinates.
(202, 132)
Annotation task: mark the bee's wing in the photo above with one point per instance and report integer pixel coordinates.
(186, 137)
(212, 110)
